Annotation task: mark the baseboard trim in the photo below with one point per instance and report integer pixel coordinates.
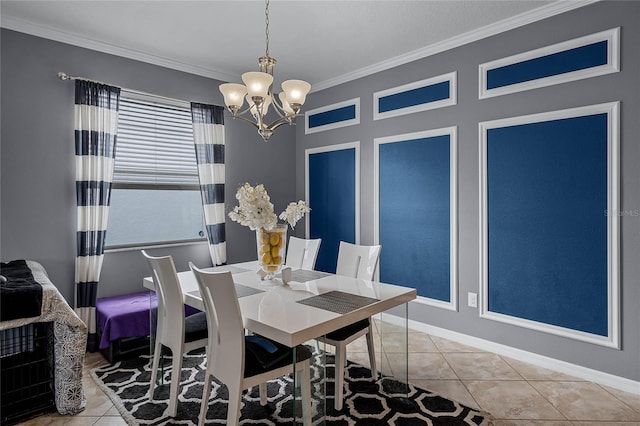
(589, 374)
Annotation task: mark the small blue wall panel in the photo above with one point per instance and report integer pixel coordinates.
(341, 114)
(589, 56)
(580, 58)
(547, 227)
(332, 116)
(332, 198)
(423, 95)
(419, 96)
(414, 215)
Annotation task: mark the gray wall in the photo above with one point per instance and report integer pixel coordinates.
(37, 213)
(623, 86)
(37, 206)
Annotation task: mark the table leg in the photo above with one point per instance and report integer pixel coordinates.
(393, 333)
(310, 383)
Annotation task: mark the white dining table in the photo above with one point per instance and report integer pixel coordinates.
(279, 311)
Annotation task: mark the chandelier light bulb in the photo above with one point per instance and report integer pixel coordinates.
(285, 105)
(254, 109)
(233, 94)
(258, 83)
(296, 91)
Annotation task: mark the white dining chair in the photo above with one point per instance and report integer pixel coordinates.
(240, 361)
(355, 261)
(302, 254)
(181, 335)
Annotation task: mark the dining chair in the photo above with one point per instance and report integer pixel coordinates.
(302, 254)
(240, 361)
(355, 261)
(174, 331)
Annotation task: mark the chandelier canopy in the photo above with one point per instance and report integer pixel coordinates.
(258, 91)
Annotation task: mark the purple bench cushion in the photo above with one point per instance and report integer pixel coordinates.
(126, 316)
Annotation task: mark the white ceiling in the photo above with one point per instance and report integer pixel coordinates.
(323, 42)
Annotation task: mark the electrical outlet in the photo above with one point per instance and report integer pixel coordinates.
(472, 300)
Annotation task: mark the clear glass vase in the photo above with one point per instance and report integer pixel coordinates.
(271, 249)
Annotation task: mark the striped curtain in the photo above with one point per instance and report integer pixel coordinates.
(96, 124)
(208, 135)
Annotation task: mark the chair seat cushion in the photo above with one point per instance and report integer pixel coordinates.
(351, 329)
(262, 354)
(195, 327)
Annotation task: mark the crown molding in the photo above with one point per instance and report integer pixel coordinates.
(534, 15)
(520, 20)
(27, 27)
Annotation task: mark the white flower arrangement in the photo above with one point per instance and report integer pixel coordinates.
(255, 209)
(294, 212)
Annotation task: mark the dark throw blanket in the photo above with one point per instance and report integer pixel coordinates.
(20, 295)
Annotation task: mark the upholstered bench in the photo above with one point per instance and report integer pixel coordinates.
(123, 324)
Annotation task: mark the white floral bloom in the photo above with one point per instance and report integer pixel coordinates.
(294, 212)
(254, 208)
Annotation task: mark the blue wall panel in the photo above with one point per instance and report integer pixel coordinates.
(547, 227)
(415, 215)
(332, 116)
(589, 56)
(419, 96)
(332, 198)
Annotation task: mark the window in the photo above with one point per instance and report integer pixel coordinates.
(155, 198)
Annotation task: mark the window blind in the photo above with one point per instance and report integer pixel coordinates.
(155, 145)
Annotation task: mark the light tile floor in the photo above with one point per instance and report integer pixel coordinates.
(514, 392)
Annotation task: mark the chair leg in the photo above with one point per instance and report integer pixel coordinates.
(263, 393)
(204, 405)
(154, 368)
(305, 389)
(235, 397)
(339, 376)
(176, 370)
(372, 354)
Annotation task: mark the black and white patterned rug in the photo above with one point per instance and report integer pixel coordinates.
(365, 402)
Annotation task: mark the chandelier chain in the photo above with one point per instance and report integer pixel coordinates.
(259, 94)
(266, 21)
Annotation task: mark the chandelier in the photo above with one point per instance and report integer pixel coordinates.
(258, 91)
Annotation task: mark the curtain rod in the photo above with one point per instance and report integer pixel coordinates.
(64, 77)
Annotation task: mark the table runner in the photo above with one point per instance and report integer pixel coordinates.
(231, 268)
(241, 291)
(338, 301)
(303, 275)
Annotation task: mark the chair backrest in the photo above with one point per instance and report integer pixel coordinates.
(357, 261)
(302, 253)
(170, 298)
(224, 322)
